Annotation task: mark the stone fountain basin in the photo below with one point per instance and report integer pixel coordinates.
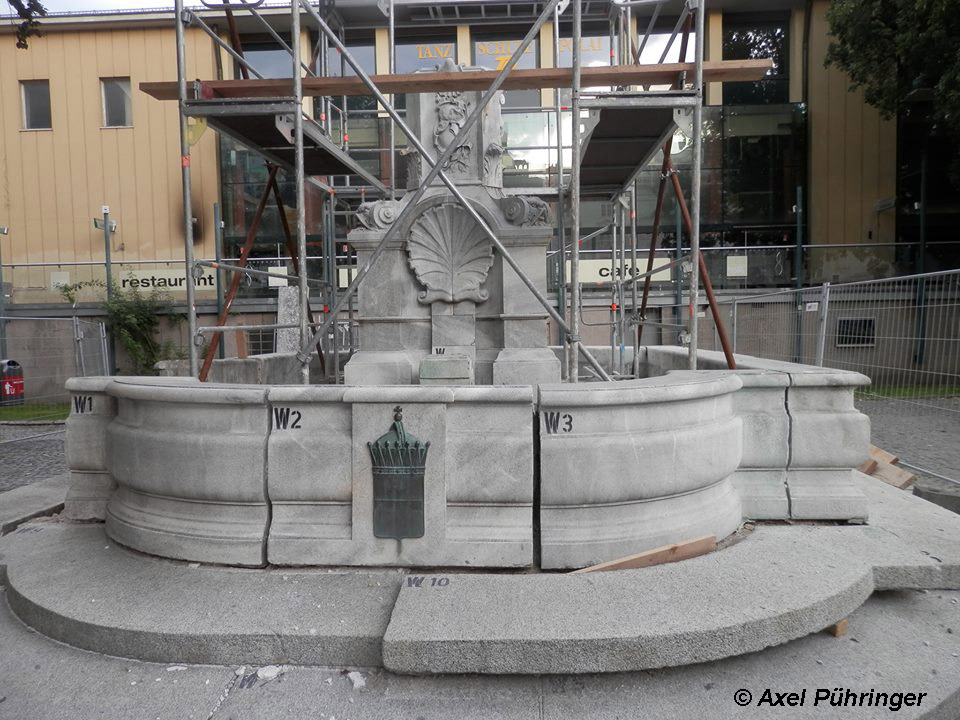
(557, 476)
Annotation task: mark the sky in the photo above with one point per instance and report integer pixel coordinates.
(80, 5)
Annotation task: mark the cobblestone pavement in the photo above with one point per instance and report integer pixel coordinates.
(925, 433)
(24, 461)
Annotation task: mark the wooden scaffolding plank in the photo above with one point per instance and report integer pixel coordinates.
(882, 456)
(479, 80)
(666, 554)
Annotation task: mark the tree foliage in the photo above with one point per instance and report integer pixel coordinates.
(891, 48)
(28, 11)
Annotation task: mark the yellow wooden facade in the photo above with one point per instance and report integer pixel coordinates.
(54, 182)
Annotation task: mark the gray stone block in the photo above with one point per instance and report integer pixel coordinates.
(763, 493)
(625, 620)
(378, 368)
(526, 366)
(74, 585)
(88, 495)
(447, 369)
(825, 494)
(454, 329)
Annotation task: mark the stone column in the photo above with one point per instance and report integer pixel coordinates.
(91, 411)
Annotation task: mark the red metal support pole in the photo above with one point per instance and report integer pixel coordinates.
(704, 277)
(235, 280)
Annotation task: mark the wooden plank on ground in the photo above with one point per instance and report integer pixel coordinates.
(868, 467)
(882, 456)
(666, 554)
(839, 629)
(893, 475)
(474, 81)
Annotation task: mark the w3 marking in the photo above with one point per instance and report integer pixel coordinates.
(284, 418)
(554, 422)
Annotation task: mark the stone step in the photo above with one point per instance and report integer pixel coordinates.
(778, 584)
(73, 584)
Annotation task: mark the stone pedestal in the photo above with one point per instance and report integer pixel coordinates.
(370, 367)
(91, 485)
(526, 366)
(453, 369)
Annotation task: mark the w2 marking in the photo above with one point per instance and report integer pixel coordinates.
(284, 418)
(554, 422)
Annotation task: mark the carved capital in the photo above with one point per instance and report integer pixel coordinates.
(378, 215)
(525, 210)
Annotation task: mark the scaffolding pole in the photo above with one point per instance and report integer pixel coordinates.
(186, 186)
(298, 183)
(695, 185)
(573, 334)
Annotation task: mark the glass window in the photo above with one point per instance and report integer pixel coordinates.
(36, 104)
(116, 102)
(425, 53)
(495, 52)
(267, 58)
(757, 36)
(364, 53)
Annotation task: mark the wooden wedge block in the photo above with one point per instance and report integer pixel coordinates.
(893, 475)
(882, 456)
(839, 629)
(868, 467)
(666, 554)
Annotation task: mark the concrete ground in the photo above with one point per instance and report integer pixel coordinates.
(898, 642)
(921, 432)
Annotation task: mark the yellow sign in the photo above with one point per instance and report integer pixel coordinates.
(428, 52)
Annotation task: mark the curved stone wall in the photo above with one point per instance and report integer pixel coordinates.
(253, 474)
(189, 463)
(630, 466)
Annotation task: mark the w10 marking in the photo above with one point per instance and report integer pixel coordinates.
(552, 422)
(82, 404)
(284, 418)
(418, 581)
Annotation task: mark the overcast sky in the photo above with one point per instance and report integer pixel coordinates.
(80, 5)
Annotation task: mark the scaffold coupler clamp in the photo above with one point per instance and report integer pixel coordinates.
(304, 358)
(572, 339)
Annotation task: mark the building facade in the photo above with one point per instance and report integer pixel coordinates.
(800, 175)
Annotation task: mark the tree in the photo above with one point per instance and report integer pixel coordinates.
(28, 11)
(900, 51)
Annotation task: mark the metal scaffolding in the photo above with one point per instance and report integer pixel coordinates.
(278, 129)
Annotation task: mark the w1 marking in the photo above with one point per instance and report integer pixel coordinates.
(82, 404)
(552, 420)
(284, 418)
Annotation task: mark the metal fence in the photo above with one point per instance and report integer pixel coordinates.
(903, 333)
(50, 350)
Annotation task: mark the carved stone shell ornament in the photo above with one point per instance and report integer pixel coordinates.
(450, 255)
